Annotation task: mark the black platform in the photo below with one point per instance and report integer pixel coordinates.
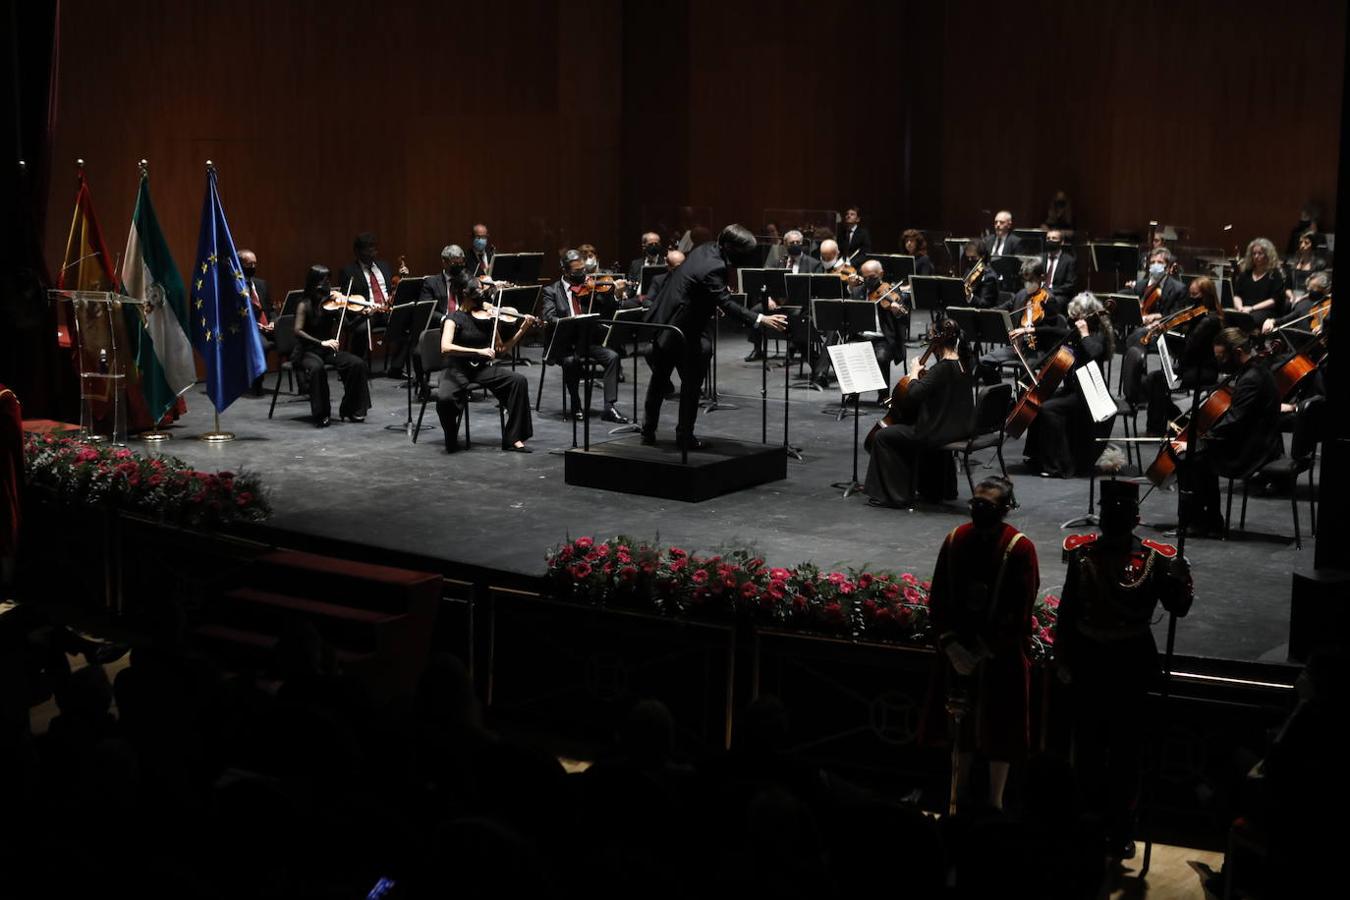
(723, 467)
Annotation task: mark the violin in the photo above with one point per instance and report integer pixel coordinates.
(1033, 313)
(888, 295)
(340, 301)
(846, 272)
(1153, 296)
(973, 277)
(1167, 323)
(393, 285)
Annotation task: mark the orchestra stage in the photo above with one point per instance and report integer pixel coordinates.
(370, 485)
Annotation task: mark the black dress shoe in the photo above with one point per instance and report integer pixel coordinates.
(357, 419)
(452, 447)
(613, 415)
(579, 416)
(324, 422)
(514, 449)
(754, 356)
(649, 438)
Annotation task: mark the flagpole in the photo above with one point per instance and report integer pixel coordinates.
(155, 434)
(215, 436)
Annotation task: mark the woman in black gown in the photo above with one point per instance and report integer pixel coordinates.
(907, 460)
(1259, 288)
(1063, 440)
(316, 345)
(466, 342)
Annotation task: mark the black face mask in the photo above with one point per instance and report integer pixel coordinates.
(1317, 296)
(651, 249)
(871, 284)
(794, 249)
(575, 277)
(1053, 246)
(249, 272)
(455, 269)
(985, 515)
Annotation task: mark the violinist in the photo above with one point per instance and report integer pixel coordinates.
(1195, 363)
(483, 251)
(1302, 325)
(1038, 324)
(316, 334)
(981, 283)
(1259, 288)
(1062, 440)
(1245, 438)
(907, 459)
(831, 261)
(1061, 269)
(467, 345)
(916, 245)
(448, 287)
(1303, 262)
(1301, 313)
(798, 262)
(892, 313)
(573, 294)
(372, 278)
(1160, 292)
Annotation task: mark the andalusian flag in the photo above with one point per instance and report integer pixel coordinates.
(223, 327)
(148, 273)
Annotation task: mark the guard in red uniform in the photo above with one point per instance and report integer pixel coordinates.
(984, 586)
(1105, 652)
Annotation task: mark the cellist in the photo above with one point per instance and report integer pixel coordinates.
(906, 457)
(1245, 438)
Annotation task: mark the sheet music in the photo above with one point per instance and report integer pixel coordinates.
(855, 365)
(1099, 400)
(1169, 370)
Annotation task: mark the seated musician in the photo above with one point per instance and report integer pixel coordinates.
(1195, 363)
(1160, 293)
(1301, 330)
(483, 251)
(1061, 269)
(797, 262)
(1246, 437)
(316, 336)
(855, 238)
(892, 315)
(1305, 260)
(831, 260)
(652, 255)
(1259, 288)
(1002, 242)
(1319, 288)
(370, 277)
(449, 286)
(916, 245)
(467, 345)
(1062, 440)
(907, 461)
(264, 313)
(981, 288)
(1031, 330)
(573, 295)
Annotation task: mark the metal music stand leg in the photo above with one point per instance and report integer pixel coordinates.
(854, 486)
(632, 427)
(794, 452)
(1091, 517)
(714, 402)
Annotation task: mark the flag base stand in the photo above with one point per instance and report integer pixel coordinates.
(154, 437)
(216, 436)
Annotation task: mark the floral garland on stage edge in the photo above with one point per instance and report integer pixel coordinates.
(86, 474)
(872, 605)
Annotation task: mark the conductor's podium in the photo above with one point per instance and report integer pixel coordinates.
(722, 467)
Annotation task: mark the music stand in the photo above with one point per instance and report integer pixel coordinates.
(291, 301)
(1127, 315)
(895, 266)
(825, 286)
(617, 336)
(714, 402)
(649, 274)
(855, 365)
(967, 319)
(1120, 259)
(1031, 241)
(936, 292)
(517, 268)
(956, 246)
(406, 321)
(1007, 268)
(1246, 321)
(845, 319)
(522, 298)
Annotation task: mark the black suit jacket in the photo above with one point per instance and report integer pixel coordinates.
(691, 294)
(355, 274)
(860, 244)
(1011, 245)
(635, 270)
(806, 264)
(433, 288)
(478, 265)
(1066, 274)
(1174, 294)
(1249, 433)
(264, 292)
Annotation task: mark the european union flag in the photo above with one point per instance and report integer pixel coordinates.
(223, 328)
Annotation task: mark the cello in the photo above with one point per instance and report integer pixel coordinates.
(946, 333)
(1214, 408)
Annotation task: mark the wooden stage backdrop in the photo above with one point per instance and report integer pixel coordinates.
(558, 123)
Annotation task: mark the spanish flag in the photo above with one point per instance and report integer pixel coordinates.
(100, 327)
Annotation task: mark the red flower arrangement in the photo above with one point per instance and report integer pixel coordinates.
(875, 604)
(98, 475)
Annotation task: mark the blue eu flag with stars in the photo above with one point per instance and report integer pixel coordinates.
(224, 330)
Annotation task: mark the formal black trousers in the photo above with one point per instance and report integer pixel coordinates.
(351, 371)
(512, 390)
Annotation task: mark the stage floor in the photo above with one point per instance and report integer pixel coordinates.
(505, 510)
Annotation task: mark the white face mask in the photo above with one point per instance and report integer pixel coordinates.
(1031, 286)
(591, 264)
(1155, 270)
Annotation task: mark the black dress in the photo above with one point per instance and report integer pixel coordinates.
(906, 458)
(313, 326)
(511, 389)
(1195, 365)
(1062, 440)
(1252, 292)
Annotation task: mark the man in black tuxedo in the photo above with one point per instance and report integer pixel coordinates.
(651, 256)
(797, 262)
(1002, 242)
(264, 313)
(1061, 269)
(372, 278)
(482, 251)
(566, 298)
(855, 241)
(688, 300)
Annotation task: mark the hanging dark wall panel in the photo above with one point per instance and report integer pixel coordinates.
(558, 123)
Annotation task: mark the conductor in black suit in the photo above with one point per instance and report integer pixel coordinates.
(689, 298)
(1002, 242)
(855, 241)
(565, 298)
(369, 277)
